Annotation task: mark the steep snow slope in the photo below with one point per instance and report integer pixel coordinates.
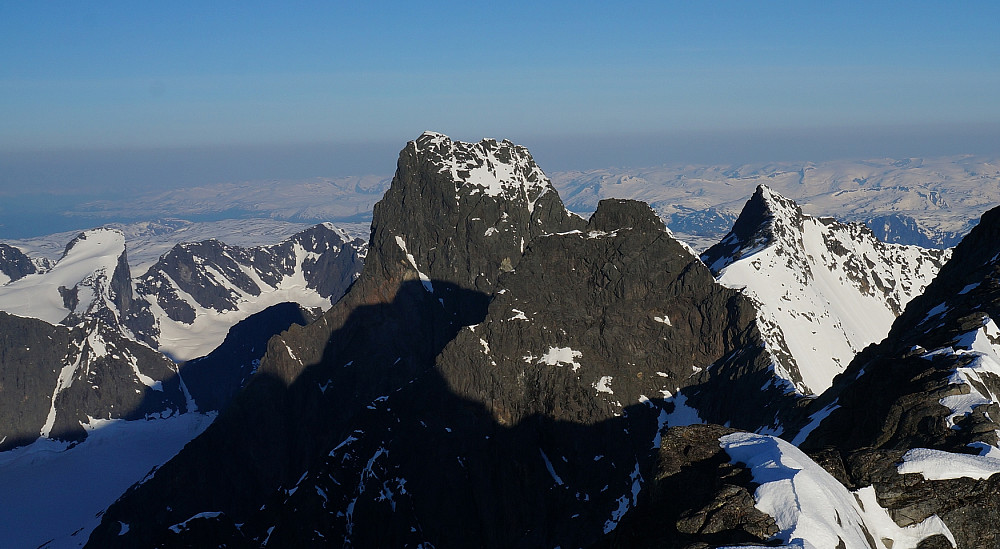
(813, 509)
(915, 415)
(77, 285)
(824, 289)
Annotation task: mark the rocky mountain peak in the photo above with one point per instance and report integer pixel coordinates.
(14, 264)
(824, 289)
(462, 212)
(613, 214)
(497, 169)
(766, 218)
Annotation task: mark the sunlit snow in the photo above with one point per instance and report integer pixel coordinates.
(814, 510)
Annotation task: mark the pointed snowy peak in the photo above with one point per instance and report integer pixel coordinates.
(824, 289)
(766, 218)
(90, 280)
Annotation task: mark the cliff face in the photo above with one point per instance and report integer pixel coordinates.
(56, 380)
(456, 216)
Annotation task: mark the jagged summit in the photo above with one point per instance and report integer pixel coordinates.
(766, 218)
(503, 373)
(470, 204)
(491, 336)
(824, 289)
(489, 167)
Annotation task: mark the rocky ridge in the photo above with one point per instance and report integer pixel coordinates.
(57, 379)
(504, 373)
(196, 291)
(88, 356)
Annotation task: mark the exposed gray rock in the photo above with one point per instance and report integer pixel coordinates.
(14, 263)
(55, 379)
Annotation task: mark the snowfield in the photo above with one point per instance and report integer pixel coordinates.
(52, 492)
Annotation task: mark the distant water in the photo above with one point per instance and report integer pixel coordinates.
(33, 215)
(29, 215)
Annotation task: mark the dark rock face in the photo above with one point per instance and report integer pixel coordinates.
(182, 264)
(491, 379)
(756, 226)
(14, 263)
(31, 354)
(717, 507)
(416, 291)
(57, 378)
(113, 378)
(893, 396)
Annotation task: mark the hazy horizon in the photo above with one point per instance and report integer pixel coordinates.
(100, 171)
(119, 98)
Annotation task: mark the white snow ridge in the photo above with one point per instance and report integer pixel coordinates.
(85, 270)
(813, 509)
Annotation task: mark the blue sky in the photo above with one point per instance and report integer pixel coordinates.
(316, 88)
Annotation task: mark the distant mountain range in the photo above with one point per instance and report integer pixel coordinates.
(491, 369)
(929, 202)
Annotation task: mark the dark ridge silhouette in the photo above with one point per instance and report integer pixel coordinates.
(473, 481)
(257, 445)
(214, 379)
